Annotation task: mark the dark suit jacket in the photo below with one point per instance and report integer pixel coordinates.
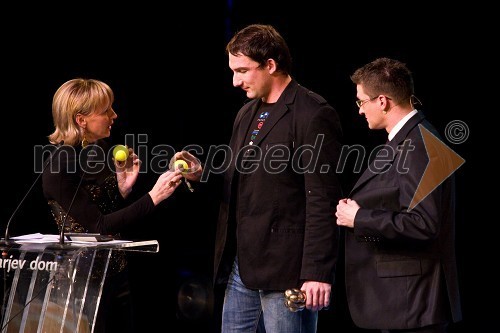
(400, 263)
(285, 228)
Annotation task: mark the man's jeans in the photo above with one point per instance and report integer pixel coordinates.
(247, 311)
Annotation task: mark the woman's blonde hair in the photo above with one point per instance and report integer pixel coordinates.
(77, 96)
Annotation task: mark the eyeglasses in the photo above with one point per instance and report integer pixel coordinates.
(360, 102)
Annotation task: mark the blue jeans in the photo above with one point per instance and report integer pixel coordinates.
(249, 311)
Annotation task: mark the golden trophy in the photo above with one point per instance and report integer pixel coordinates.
(295, 299)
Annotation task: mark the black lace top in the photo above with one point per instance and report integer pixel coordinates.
(98, 206)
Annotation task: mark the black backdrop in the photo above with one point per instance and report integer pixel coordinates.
(169, 72)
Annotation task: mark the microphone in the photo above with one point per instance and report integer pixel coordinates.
(47, 162)
(63, 223)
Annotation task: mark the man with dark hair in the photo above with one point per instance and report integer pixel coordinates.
(276, 229)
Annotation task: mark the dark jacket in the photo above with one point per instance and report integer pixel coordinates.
(285, 231)
(400, 261)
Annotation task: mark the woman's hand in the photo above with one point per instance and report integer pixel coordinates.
(165, 186)
(127, 172)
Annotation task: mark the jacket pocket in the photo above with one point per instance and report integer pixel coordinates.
(398, 268)
(278, 230)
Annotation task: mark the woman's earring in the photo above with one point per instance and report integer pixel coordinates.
(384, 112)
(85, 142)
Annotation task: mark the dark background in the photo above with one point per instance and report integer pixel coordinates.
(168, 69)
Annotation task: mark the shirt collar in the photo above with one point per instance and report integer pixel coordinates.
(401, 123)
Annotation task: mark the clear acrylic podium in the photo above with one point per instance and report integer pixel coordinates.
(56, 288)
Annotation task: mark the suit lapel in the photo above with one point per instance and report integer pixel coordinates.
(370, 171)
(243, 126)
(274, 116)
(392, 145)
(280, 109)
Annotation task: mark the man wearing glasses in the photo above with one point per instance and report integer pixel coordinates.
(401, 273)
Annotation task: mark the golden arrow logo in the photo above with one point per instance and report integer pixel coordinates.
(443, 162)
